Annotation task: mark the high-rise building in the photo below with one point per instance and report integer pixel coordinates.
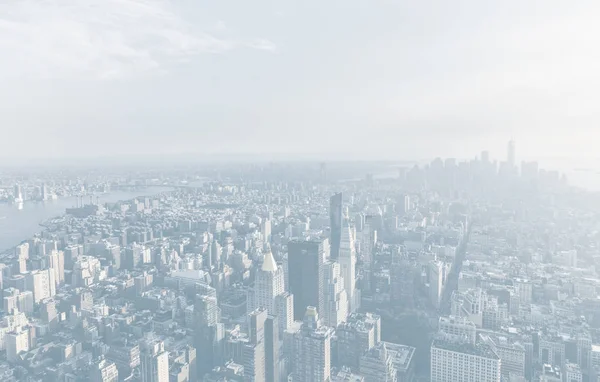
(368, 239)
(347, 260)
(41, 283)
(485, 157)
(154, 361)
(104, 371)
(360, 333)
(336, 300)
(269, 284)
(436, 283)
(16, 343)
(15, 299)
(376, 365)
(266, 230)
(254, 350)
(56, 263)
(22, 255)
(272, 346)
(305, 264)
(335, 222)
(464, 362)
(511, 157)
(209, 331)
(312, 349)
(18, 193)
(285, 311)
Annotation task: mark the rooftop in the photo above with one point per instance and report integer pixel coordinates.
(479, 350)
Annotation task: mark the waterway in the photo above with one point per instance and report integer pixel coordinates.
(20, 222)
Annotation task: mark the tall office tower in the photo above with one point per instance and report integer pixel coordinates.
(104, 371)
(272, 347)
(464, 362)
(457, 329)
(436, 283)
(154, 361)
(41, 283)
(335, 223)
(18, 193)
(134, 256)
(22, 255)
(56, 262)
(359, 334)
(367, 243)
(347, 260)
(209, 331)
(72, 252)
(269, 284)
(265, 229)
(284, 304)
(16, 343)
(216, 251)
(312, 349)
(336, 301)
(376, 365)
(485, 157)
(15, 299)
(305, 264)
(511, 157)
(402, 279)
(253, 352)
(44, 195)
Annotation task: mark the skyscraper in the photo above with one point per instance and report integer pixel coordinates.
(154, 361)
(254, 350)
(511, 157)
(305, 264)
(347, 259)
(272, 346)
(16, 342)
(335, 222)
(312, 349)
(269, 284)
(336, 300)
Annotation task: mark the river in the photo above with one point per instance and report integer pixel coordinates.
(18, 224)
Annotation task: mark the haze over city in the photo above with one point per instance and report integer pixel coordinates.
(299, 191)
(335, 80)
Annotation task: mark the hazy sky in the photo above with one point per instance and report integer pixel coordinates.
(369, 78)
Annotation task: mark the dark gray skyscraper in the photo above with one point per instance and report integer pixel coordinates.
(305, 267)
(335, 222)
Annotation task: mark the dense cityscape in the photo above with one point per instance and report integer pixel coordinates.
(453, 271)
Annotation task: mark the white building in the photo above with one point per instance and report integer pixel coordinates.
(336, 300)
(16, 342)
(457, 329)
(312, 350)
(347, 260)
(436, 282)
(452, 362)
(269, 292)
(15, 299)
(41, 283)
(154, 360)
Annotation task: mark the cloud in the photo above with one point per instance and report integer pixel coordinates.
(102, 38)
